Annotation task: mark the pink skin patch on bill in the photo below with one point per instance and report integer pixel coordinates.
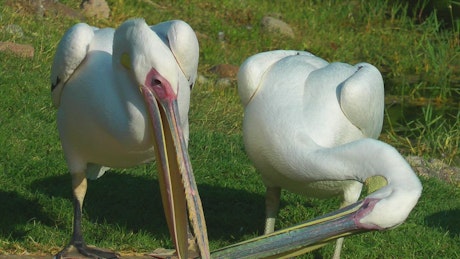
(159, 85)
(366, 208)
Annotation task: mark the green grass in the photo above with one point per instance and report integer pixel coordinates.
(123, 209)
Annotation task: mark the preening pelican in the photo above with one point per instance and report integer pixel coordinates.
(122, 97)
(310, 127)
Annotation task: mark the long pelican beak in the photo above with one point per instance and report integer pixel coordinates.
(304, 237)
(180, 197)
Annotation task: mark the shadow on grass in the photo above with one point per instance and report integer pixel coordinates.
(447, 220)
(134, 202)
(16, 211)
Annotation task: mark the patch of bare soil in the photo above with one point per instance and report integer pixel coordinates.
(45, 8)
(435, 168)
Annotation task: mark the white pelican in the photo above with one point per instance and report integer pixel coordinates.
(310, 127)
(118, 93)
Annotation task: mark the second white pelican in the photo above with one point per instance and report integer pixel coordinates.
(310, 127)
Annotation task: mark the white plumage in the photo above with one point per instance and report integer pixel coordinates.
(310, 128)
(101, 113)
(98, 79)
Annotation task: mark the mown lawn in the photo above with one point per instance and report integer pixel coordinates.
(123, 209)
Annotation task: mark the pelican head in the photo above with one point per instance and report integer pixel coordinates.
(149, 60)
(152, 64)
(384, 209)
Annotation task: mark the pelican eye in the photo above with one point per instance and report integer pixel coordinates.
(125, 61)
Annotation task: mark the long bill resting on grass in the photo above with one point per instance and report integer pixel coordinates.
(383, 209)
(371, 214)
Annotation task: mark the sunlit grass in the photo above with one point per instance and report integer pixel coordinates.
(123, 210)
(430, 134)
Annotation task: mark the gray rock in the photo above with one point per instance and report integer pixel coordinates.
(224, 82)
(201, 80)
(95, 8)
(217, 82)
(274, 25)
(40, 12)
(15, 30)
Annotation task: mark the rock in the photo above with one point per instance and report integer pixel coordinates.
(219, 83)
(14, 29)
(226, 74)
(221, 36)
(201, 80)
(40, 12)
(274, 25)
(95, 8)
(23, 50)
(224, 82)
(225, 71)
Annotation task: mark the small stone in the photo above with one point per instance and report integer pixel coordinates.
(221, 36)
(95, 8)
(40, 9)
(23, 50)
(224, 82)
(225, 71)
(201, 80)
(274, 25)
(15, 30)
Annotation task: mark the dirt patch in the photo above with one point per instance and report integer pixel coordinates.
(435, 168)
(45, 8)
(50, 257)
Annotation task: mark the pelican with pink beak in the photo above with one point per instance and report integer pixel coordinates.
(122, 97)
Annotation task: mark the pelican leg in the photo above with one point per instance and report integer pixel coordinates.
(77, 246)
(350, 196)
(338, 248)
(339, 242)
(272, 205)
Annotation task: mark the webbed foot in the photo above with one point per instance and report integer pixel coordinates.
(83, 251)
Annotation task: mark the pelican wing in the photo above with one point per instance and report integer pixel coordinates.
(362, 99)
(70, 53)
(182, 41)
